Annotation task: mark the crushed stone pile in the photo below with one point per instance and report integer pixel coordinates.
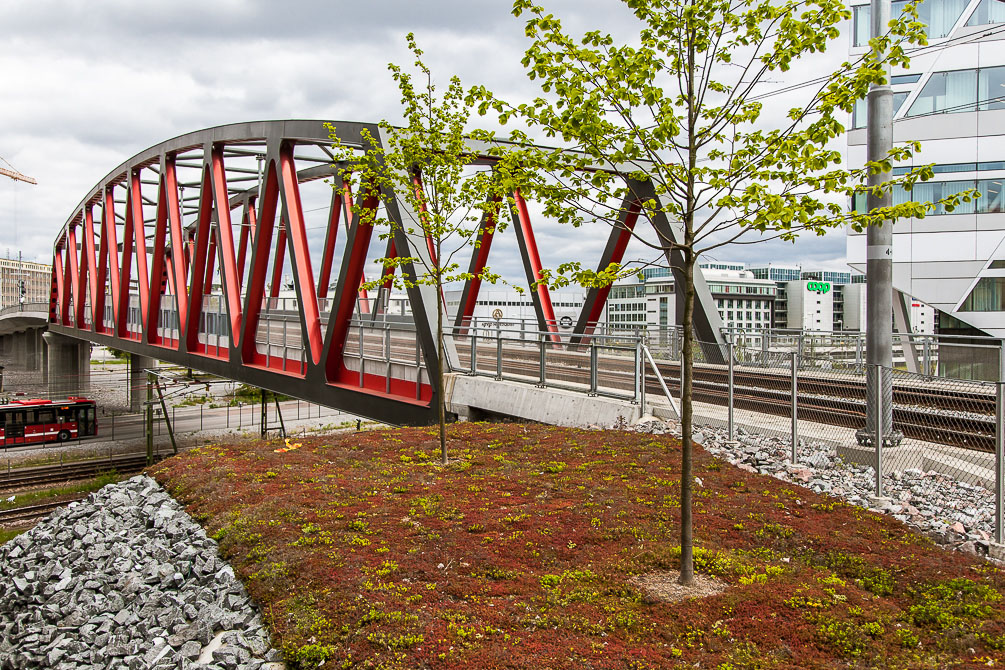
(125, 579)
(955, 514)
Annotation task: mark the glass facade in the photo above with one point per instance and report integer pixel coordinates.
(988, 296)
(989, 202)
(939, 17)
(777, 273)
(988, 12)
(947, 93)
(961, 91)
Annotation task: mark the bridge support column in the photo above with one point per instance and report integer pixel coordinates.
(39, 349)
(43, 357)
(138, 380)
(69, 365)
(28, 348)
(19, 355)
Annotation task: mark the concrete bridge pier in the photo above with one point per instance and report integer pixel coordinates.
(35, 347)
(19, 355)
(25, 349)
(69, 365)
(138, 380)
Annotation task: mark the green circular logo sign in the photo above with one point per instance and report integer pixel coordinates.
(818, 286)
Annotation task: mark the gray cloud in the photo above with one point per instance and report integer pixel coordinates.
(88, 84)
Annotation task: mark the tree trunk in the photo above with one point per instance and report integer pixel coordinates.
(441, 402)
(686, 410)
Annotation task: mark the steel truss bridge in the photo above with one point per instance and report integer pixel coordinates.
(178, 254)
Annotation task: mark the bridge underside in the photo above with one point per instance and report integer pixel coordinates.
(219, 250)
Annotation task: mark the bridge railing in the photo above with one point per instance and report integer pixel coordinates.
(606, 365)
(25, 307)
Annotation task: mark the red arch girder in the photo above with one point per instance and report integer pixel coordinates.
(152, 266)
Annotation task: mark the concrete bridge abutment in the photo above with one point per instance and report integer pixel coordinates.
(25, 349)
(138, 380)
(69, 365)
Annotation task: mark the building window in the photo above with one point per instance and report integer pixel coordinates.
(988, 296)
(947, 93)
(989, 11)
(939, 17)
(990, 201)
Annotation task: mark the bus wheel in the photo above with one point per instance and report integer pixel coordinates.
(64, 435)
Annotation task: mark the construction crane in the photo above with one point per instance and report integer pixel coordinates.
(14, 174)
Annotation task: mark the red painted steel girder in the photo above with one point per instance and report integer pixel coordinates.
(172, 256)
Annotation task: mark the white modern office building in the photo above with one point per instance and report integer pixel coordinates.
(952, 100)
(743, 301)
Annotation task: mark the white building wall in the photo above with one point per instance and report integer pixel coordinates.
(940, 259)
(854, 306)
(810, 310)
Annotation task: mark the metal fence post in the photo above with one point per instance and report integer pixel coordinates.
(499, 353)
(362, 360)
(638, 359)
(878, 417)
(795, 405)
(200, 416)
(642, 378)
(729, 404)
(999, 462)
(593, 366)
(474, 351)
(858, 354)
(541, 363)
(927, 356)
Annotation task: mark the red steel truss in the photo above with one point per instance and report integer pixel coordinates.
(180, 253)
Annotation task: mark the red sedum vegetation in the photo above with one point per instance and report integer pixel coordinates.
(363, 552)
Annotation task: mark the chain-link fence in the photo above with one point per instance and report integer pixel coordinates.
(296, 416)
(933, 455)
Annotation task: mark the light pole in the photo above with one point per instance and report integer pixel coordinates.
(879, 257)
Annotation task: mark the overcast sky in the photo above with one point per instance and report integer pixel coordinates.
(86, 85)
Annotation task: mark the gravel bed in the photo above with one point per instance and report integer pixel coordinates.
(125, 579)
(955, 514)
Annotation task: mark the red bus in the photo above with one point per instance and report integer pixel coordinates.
(35, 421)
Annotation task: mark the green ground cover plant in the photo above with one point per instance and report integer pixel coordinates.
(527, 549)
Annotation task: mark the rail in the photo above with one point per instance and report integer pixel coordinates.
(25, 307)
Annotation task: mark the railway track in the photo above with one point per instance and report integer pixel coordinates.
(23, 478)
(817, 402)
(22, 515)
(958, 417)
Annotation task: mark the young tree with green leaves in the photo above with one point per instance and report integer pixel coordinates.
(435, 194)
(677, 113)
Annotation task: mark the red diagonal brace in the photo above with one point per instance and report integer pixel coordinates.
(479, 259)
(300, 258)
(134, 243)
(89, 268)
(230, 274)
(178, 242)
(532, 263)
(199, 263)
(345, 302)
(340, 206)
(76, 281)
(614, 252)
(108, 263)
